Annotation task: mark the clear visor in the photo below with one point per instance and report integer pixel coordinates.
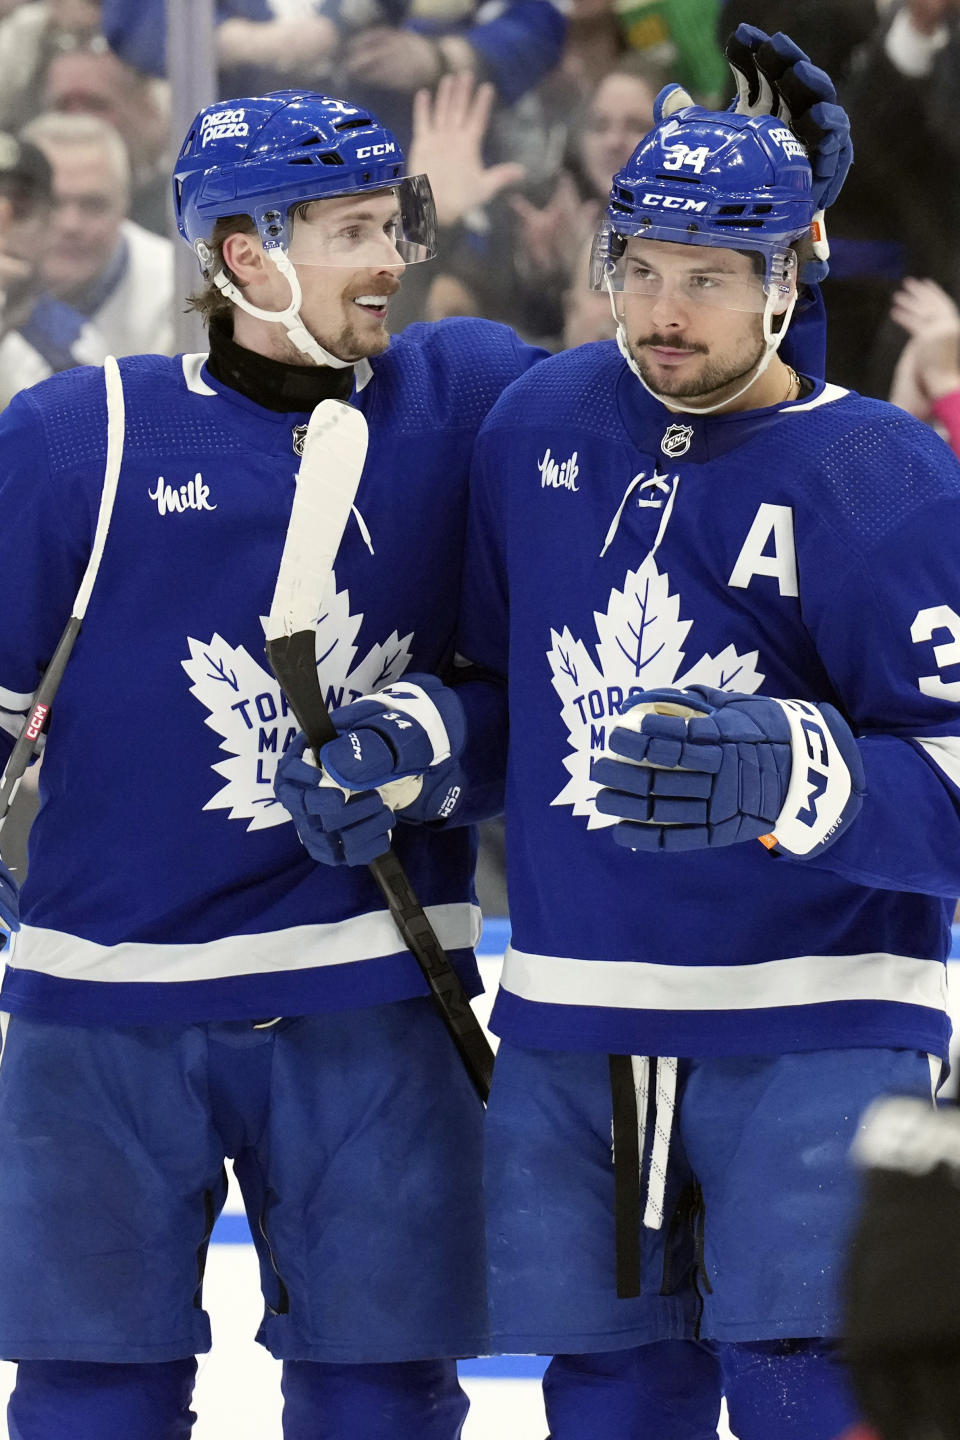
(721, 276)
(374, 230)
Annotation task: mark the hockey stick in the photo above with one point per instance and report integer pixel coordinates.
(333, 454)
(39, 710)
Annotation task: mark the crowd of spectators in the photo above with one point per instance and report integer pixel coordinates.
(520, 111)
(570, 92)
(564, 96)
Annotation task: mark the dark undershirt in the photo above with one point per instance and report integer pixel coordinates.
(273, 383)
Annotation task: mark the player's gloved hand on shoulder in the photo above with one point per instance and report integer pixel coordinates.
(335, 828)
(902, 1324)
(697, 768)
(405, 741)
(9, 905)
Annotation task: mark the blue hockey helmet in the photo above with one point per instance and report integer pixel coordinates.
(263, 156)
(704, 177)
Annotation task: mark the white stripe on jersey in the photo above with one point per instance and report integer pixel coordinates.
(944, 751)
(301, 947)
(11, 700)
(798, 980)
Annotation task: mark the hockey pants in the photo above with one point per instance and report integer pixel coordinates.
(671, 1390)
(77, 1400)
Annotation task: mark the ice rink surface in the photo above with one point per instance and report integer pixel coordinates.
(238, 1388)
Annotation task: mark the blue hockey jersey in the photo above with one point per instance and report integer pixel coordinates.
(165, 881)
(809, 550)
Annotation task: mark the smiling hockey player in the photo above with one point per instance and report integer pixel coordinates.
(188, 985)
(724, 596)
(743, 623)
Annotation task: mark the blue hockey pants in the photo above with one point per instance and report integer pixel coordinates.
(81, 1400)
(671, 1390)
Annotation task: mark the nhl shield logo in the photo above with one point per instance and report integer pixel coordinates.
(676, 439)
(299, 438)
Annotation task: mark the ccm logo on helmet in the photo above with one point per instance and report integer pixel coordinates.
(221, 124)
(365, 151)
(673, 202)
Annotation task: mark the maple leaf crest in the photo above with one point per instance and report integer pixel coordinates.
(640, 638)
(246, 706)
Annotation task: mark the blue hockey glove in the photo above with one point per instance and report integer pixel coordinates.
(334, 828)
(775, 77)
(9, 905)
(413, 731)
(701, 767)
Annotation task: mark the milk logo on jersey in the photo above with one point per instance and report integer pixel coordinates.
(223, 125)
(246, 706)
(558, 475)
(175, 499)
(639, 646)
(676, 440)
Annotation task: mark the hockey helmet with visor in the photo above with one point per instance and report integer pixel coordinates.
(270, 156)
(735, 182)
(277, 158)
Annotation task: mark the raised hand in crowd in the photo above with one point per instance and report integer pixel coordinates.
(552, 234)
(926, 381)
(929, 367)
(449, 128)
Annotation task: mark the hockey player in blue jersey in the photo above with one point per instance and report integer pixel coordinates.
(187, 984)
(724, 598)
(734, 618)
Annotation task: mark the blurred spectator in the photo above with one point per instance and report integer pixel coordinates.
(680, 36)
(513, 259)
(106, 266)
(587, 313)
(38, 334)
(593, 46)
(900, 211)
(378, 51)
(30, 36)
(927, 377)
(94, 81)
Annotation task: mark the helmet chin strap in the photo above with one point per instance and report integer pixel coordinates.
(289, 318)
(771, 341)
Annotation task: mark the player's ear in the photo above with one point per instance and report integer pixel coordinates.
(243, 255)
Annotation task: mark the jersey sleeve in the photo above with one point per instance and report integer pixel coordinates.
(49, 526)
(890, 638)
(805, 343)
(482, 637)
(520, 45)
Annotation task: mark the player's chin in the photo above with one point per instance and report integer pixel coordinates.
(677, 381)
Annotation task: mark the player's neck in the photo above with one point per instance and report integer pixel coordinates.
(777, 384)
(273, 383)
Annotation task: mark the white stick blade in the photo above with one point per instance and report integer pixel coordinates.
(334, 452)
